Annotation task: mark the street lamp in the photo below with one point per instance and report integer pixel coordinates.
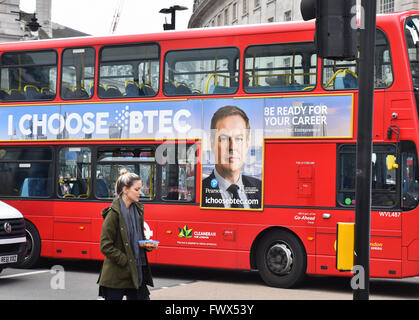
(172, 10)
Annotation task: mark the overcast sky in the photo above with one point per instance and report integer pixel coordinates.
(95, 16)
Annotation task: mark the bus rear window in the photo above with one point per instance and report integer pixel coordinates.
(129, 71)
(28, 75)
(280, 68)
(201, 71)
(344, 74)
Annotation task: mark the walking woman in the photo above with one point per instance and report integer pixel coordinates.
(125, 271)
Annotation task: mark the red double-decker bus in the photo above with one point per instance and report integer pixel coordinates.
(243, 137)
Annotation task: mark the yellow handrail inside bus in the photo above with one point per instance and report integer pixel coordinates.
(332, 79)
(215, 76)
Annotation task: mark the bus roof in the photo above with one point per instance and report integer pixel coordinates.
(225, 31)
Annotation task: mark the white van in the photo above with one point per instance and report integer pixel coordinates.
(12, 236)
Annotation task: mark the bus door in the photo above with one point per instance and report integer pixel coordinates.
(73, 215)
(389, 193)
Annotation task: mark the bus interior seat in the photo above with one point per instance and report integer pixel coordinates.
(34, 187)
(183, 89)
(4, 95)
(132, 89)
(339, 83)
(262, 89)
(79, 187)
(221, 90)
(16, 94)
(172, 195)
(47, 93)
(148, 90)
(169, 88)
(66, 93)
(32, 93)
(102, 190)
(81, 93)
(101, 91)
(112, 92)
(350, 81)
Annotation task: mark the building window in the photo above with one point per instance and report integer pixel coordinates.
(226, 20)
(287, 15)
(245, 6)
(235, 11)
(386, 6)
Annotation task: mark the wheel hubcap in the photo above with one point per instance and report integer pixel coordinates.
(279, 259)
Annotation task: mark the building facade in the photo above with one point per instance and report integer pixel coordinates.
(13, 23)
(212, 13)
(10, 29)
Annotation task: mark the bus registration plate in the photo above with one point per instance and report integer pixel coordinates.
(8, 259)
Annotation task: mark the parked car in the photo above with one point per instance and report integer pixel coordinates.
(12, 236)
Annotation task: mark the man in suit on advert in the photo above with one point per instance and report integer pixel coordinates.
(226, 186)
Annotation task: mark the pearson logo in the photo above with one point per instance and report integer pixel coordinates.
(185, 232)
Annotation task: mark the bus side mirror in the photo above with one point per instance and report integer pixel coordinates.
(391, 162)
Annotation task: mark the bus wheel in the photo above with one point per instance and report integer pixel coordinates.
(33, 246)
(281, 259)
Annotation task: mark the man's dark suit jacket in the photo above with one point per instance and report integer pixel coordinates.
(252, 189)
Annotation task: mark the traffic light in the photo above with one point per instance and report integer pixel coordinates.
(335, 27)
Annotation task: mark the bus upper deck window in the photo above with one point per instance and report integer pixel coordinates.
(28, 75)
(78, 73)
(129, 71)
(343, 75)
(280, 68)
(201, 71)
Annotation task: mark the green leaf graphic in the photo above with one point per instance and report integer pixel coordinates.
(185, 232)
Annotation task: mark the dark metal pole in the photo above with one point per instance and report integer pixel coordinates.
(173, 18)
(364, 146)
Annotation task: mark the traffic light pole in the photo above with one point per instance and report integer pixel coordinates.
(364, 146)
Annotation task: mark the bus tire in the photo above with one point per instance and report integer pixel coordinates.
(33, 246)
(281, 259)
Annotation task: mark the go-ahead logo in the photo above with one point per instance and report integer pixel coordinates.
(185, 232)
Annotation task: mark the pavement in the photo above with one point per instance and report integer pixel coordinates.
(216, 290)
(211, 290)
